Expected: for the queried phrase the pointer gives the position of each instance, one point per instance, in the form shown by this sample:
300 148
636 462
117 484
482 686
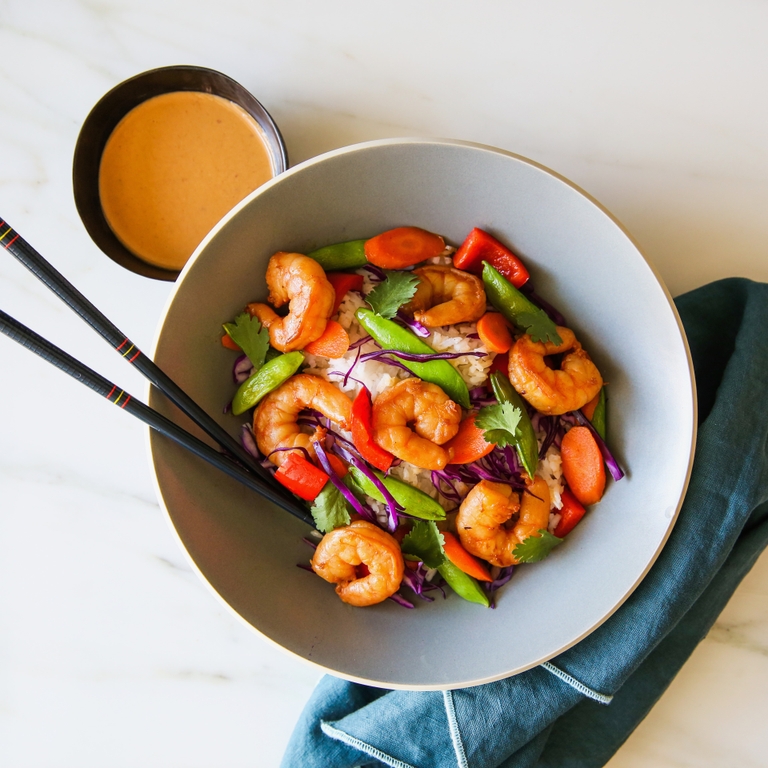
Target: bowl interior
112 108
583 263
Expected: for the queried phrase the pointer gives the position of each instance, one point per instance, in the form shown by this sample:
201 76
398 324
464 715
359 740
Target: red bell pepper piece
572 511
301 477
342 283
362 432
479 247
500 363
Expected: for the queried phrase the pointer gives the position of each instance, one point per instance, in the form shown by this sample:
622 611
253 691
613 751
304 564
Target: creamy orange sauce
173 166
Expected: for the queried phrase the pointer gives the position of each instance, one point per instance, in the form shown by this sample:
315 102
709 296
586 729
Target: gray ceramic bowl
583 262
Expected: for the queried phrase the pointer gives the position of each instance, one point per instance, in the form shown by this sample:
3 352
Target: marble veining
112 652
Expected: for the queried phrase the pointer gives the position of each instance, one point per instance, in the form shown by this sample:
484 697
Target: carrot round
403 247
459 556
468 443
229 343
333 343
583 466
338 466
494 332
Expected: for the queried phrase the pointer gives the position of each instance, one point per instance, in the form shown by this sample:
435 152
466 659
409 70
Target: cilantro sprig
500 423
329 509
395 290
251 336
424 542
539 326
536 548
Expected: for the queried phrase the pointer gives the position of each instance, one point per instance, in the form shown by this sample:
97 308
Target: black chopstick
43 270
65 362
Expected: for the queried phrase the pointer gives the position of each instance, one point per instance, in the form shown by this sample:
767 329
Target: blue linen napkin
579 708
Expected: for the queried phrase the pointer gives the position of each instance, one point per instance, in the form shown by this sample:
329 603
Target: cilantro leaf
536 548
329 509
389 295
249 334
539 326
425 543
500 423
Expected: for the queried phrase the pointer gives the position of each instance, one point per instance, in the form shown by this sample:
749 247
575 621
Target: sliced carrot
589 409
403 247
226 341
494 332
583 466
459 556
468 443
343 283
333 343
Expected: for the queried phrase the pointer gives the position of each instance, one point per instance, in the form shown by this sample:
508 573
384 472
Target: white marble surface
111 651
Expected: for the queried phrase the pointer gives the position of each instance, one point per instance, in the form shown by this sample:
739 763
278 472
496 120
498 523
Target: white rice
378 376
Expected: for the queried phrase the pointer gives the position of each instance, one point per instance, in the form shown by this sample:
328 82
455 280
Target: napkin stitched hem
453 728
351 741
602 698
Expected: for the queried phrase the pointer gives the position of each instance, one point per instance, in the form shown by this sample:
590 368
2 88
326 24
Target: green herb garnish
251 336
389 295
329 509
425 543
536 548
500 423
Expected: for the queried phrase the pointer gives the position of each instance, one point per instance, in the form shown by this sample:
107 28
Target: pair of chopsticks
238 464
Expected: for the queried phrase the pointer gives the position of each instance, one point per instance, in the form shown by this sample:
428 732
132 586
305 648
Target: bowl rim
112 107
692 414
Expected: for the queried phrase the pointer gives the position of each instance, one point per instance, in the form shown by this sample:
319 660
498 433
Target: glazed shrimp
446 296
360 543
481 518
553 391
412 419
275 423
294 278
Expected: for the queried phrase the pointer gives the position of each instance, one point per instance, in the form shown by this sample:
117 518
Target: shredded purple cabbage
490 587
360 342
242 369
414 357
249 441
361 510
359 463
414 325
309 542
400 600
377 274
416 581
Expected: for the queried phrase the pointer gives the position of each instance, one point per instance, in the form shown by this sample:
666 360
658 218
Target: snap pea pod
270 376
598 417
462 584
349 255
390 335
415 502
517 308
526 445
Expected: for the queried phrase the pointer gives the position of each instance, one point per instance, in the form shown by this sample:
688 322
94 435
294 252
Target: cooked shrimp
481 518
275 423
301 281
548 390
360 543
446 296
412 419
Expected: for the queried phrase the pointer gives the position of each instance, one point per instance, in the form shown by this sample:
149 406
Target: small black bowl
111 109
